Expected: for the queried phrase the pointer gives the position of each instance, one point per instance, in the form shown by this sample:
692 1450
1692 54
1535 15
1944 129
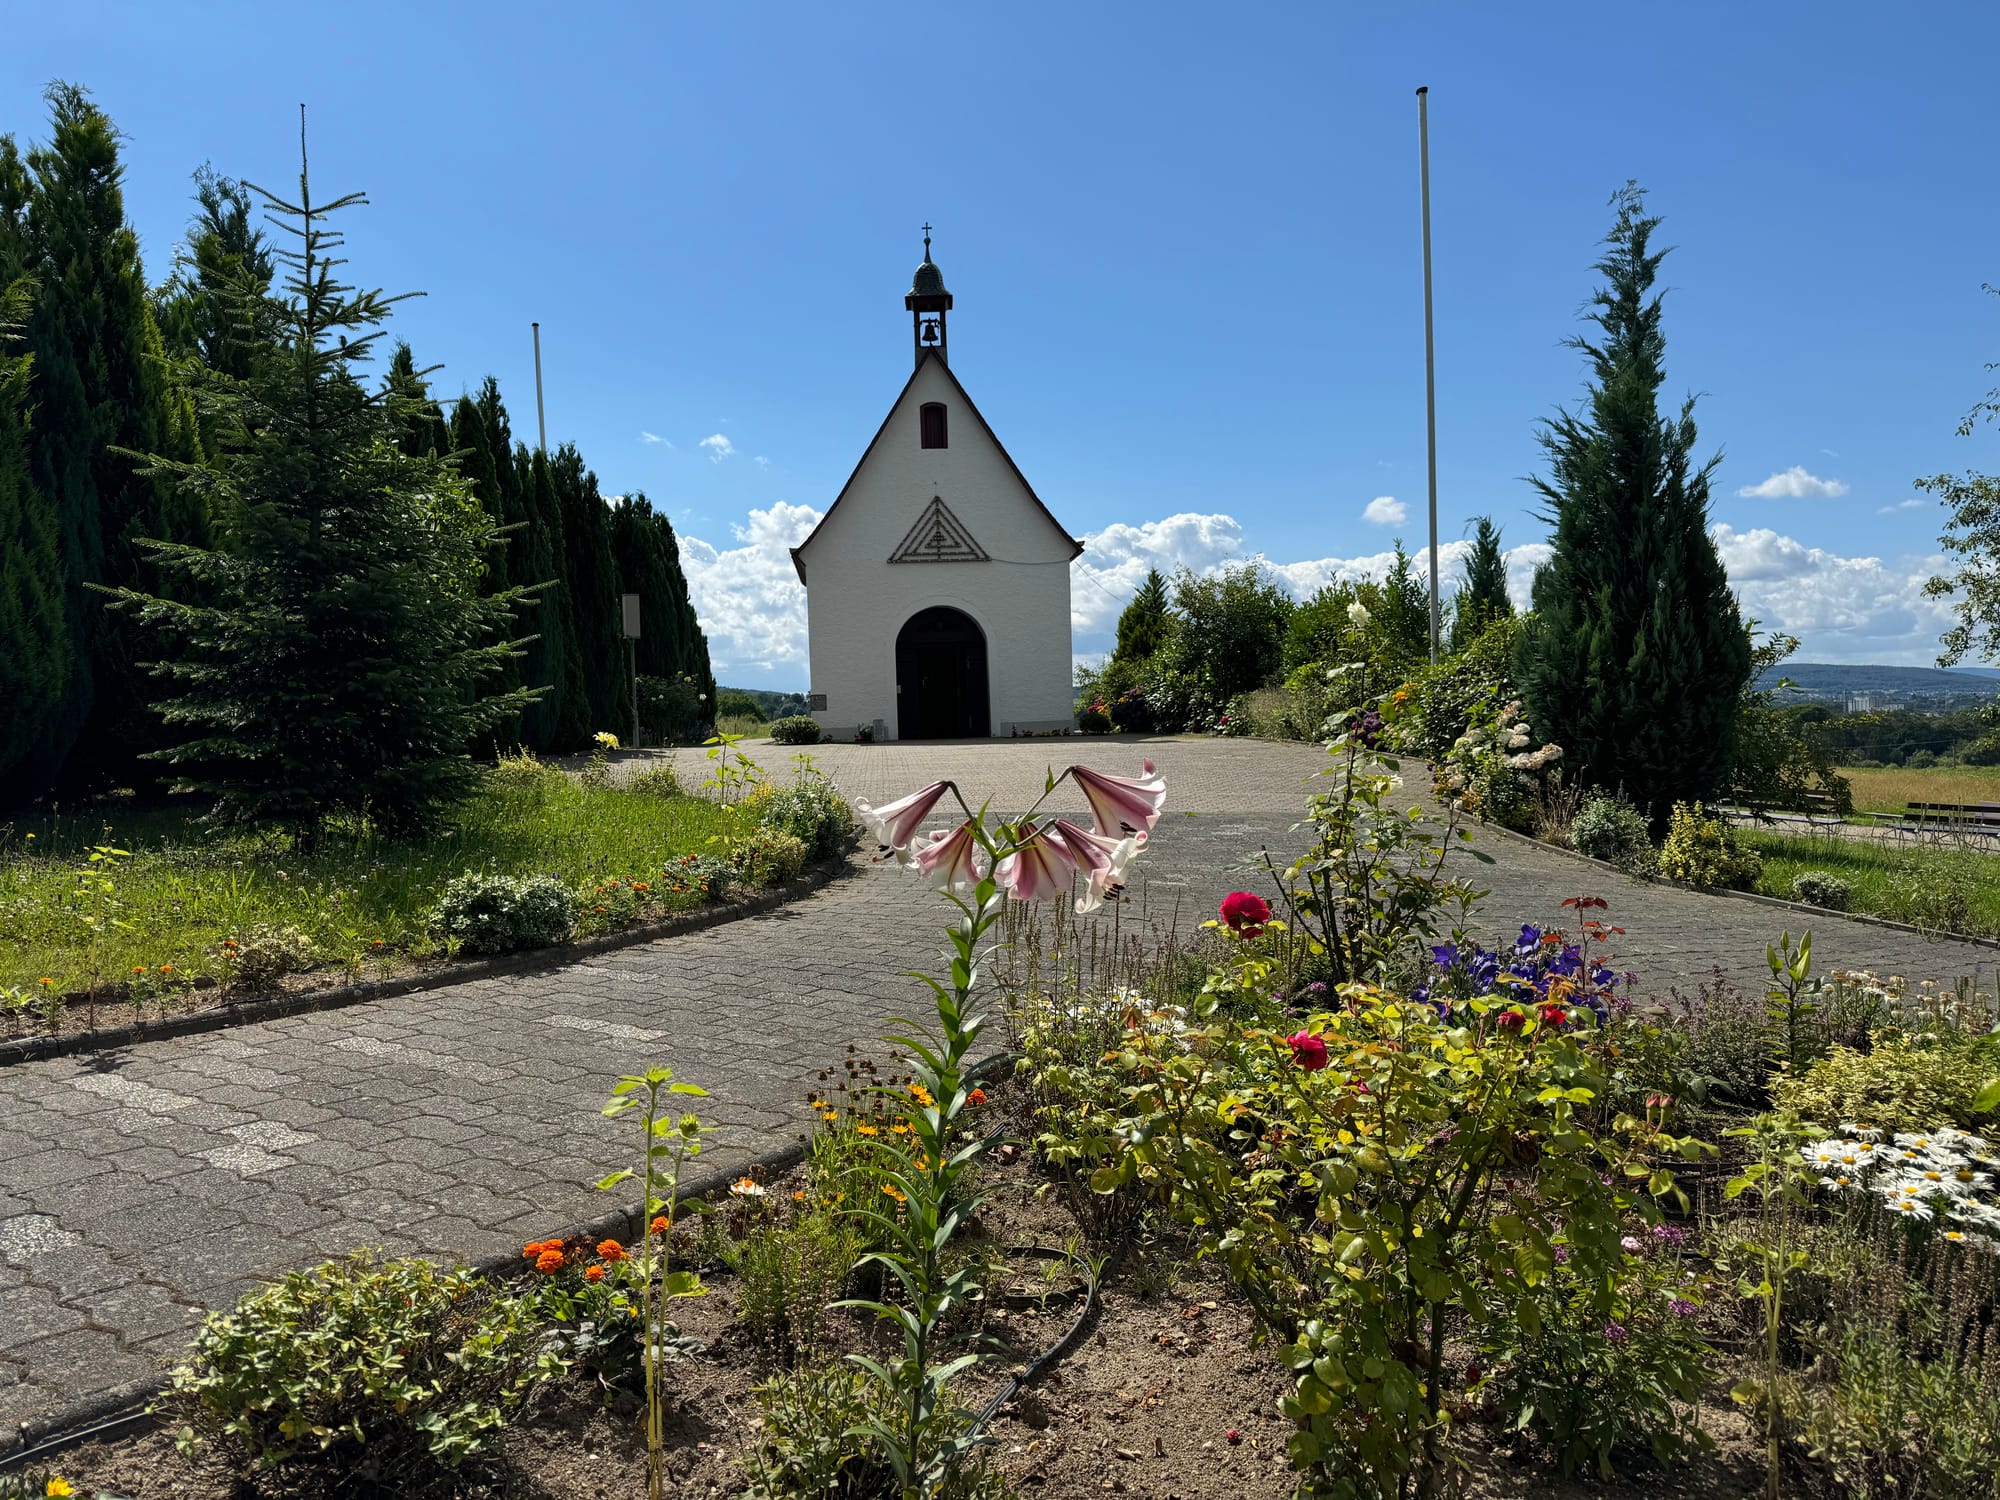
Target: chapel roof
928 356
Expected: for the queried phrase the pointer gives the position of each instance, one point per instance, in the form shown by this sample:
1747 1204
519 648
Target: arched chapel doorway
941 677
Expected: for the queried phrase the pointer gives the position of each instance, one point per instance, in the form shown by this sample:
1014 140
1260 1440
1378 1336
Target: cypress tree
34 633
566 723
1636 658
223 244
671 642
337 658
1142 627
98 394
593 589
422 429
1484 597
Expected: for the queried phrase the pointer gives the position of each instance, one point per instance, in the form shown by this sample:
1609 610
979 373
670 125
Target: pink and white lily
1041 865
1122 804
950 861
1098 856
895 826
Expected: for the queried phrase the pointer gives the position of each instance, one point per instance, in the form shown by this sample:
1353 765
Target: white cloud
649 438
718 446
748 597
1911 504
761 462
1851 609
1794 484
1386 510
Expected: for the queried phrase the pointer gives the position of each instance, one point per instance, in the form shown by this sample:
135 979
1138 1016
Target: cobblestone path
140 1187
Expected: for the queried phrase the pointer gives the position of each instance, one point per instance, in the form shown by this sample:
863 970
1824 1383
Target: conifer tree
564 722
1143 626
1636 658
423 429
593 589
339 656
34 633
671 642
223 243
98 394
1484 597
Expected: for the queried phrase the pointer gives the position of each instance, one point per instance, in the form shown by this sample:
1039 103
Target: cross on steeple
927 242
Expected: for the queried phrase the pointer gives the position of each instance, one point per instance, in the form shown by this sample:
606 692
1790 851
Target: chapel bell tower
928 303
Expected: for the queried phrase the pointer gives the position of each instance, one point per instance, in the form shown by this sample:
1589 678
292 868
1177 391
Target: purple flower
1682 1308
1614 1333
1317 987
1562 1255
1445 955
1670 1234
1632 1244
1530 939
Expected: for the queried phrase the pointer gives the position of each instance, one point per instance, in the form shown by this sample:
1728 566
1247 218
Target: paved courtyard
143 1186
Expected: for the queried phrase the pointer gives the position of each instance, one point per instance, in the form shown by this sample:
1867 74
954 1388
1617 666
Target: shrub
787 1274
812 811
1094 721
810 1439
1726 1058
799 729
1449 698
657 781
376 1369
1932 894
1609 828
1901 1084
1131 712
1592 1373
521 771
1818 888
498 913
265 954
702 873
1701 849
768 856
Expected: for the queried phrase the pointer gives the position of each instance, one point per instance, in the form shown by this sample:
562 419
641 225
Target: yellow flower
867 1130
894 1192
60 1486
921 1094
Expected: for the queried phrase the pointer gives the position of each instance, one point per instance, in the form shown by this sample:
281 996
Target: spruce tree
1636 658
223 243
34 633
1142 627
338 658
1484 597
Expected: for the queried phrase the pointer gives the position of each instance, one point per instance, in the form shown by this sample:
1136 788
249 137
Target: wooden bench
1813 807
1955 817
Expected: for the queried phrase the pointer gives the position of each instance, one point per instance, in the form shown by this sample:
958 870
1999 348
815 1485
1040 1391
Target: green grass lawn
359 897
1872 869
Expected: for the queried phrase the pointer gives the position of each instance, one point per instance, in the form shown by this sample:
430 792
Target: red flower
1554 1015
1244 913
1232 1436
1511 1020
1308 1051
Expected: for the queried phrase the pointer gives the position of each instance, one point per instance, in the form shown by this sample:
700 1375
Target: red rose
1511 1020
1554 1015
1244 913
1308 1051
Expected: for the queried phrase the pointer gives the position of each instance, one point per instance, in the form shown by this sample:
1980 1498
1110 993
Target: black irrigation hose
1030 1370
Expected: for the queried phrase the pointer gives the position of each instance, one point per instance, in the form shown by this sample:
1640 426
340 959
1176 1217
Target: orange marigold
595 1273
661 1224
534 1248
549 1262
977 1096
610 1250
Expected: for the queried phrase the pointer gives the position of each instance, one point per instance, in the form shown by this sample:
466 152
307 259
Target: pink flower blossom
1122 804
950 861
895 826
1245 913
1097 855
1040 866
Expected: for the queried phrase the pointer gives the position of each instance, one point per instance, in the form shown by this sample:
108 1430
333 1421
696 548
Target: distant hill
775 705
1834 680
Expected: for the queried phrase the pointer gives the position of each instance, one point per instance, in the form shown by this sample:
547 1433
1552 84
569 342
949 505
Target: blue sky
1183 241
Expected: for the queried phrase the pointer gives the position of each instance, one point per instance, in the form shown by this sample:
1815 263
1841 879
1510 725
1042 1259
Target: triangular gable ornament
938 536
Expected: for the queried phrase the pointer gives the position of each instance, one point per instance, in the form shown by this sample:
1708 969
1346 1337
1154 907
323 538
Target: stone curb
130 1403
1778 901
271 1007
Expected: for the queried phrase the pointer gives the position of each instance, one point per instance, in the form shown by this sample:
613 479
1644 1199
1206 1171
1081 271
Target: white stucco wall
857 601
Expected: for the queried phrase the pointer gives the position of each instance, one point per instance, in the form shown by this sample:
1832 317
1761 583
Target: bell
930 330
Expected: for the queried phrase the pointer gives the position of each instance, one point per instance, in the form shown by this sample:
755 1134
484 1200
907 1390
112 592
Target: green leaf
1987 1099
604 1184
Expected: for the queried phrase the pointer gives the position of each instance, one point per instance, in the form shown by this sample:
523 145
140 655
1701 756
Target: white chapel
937 583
